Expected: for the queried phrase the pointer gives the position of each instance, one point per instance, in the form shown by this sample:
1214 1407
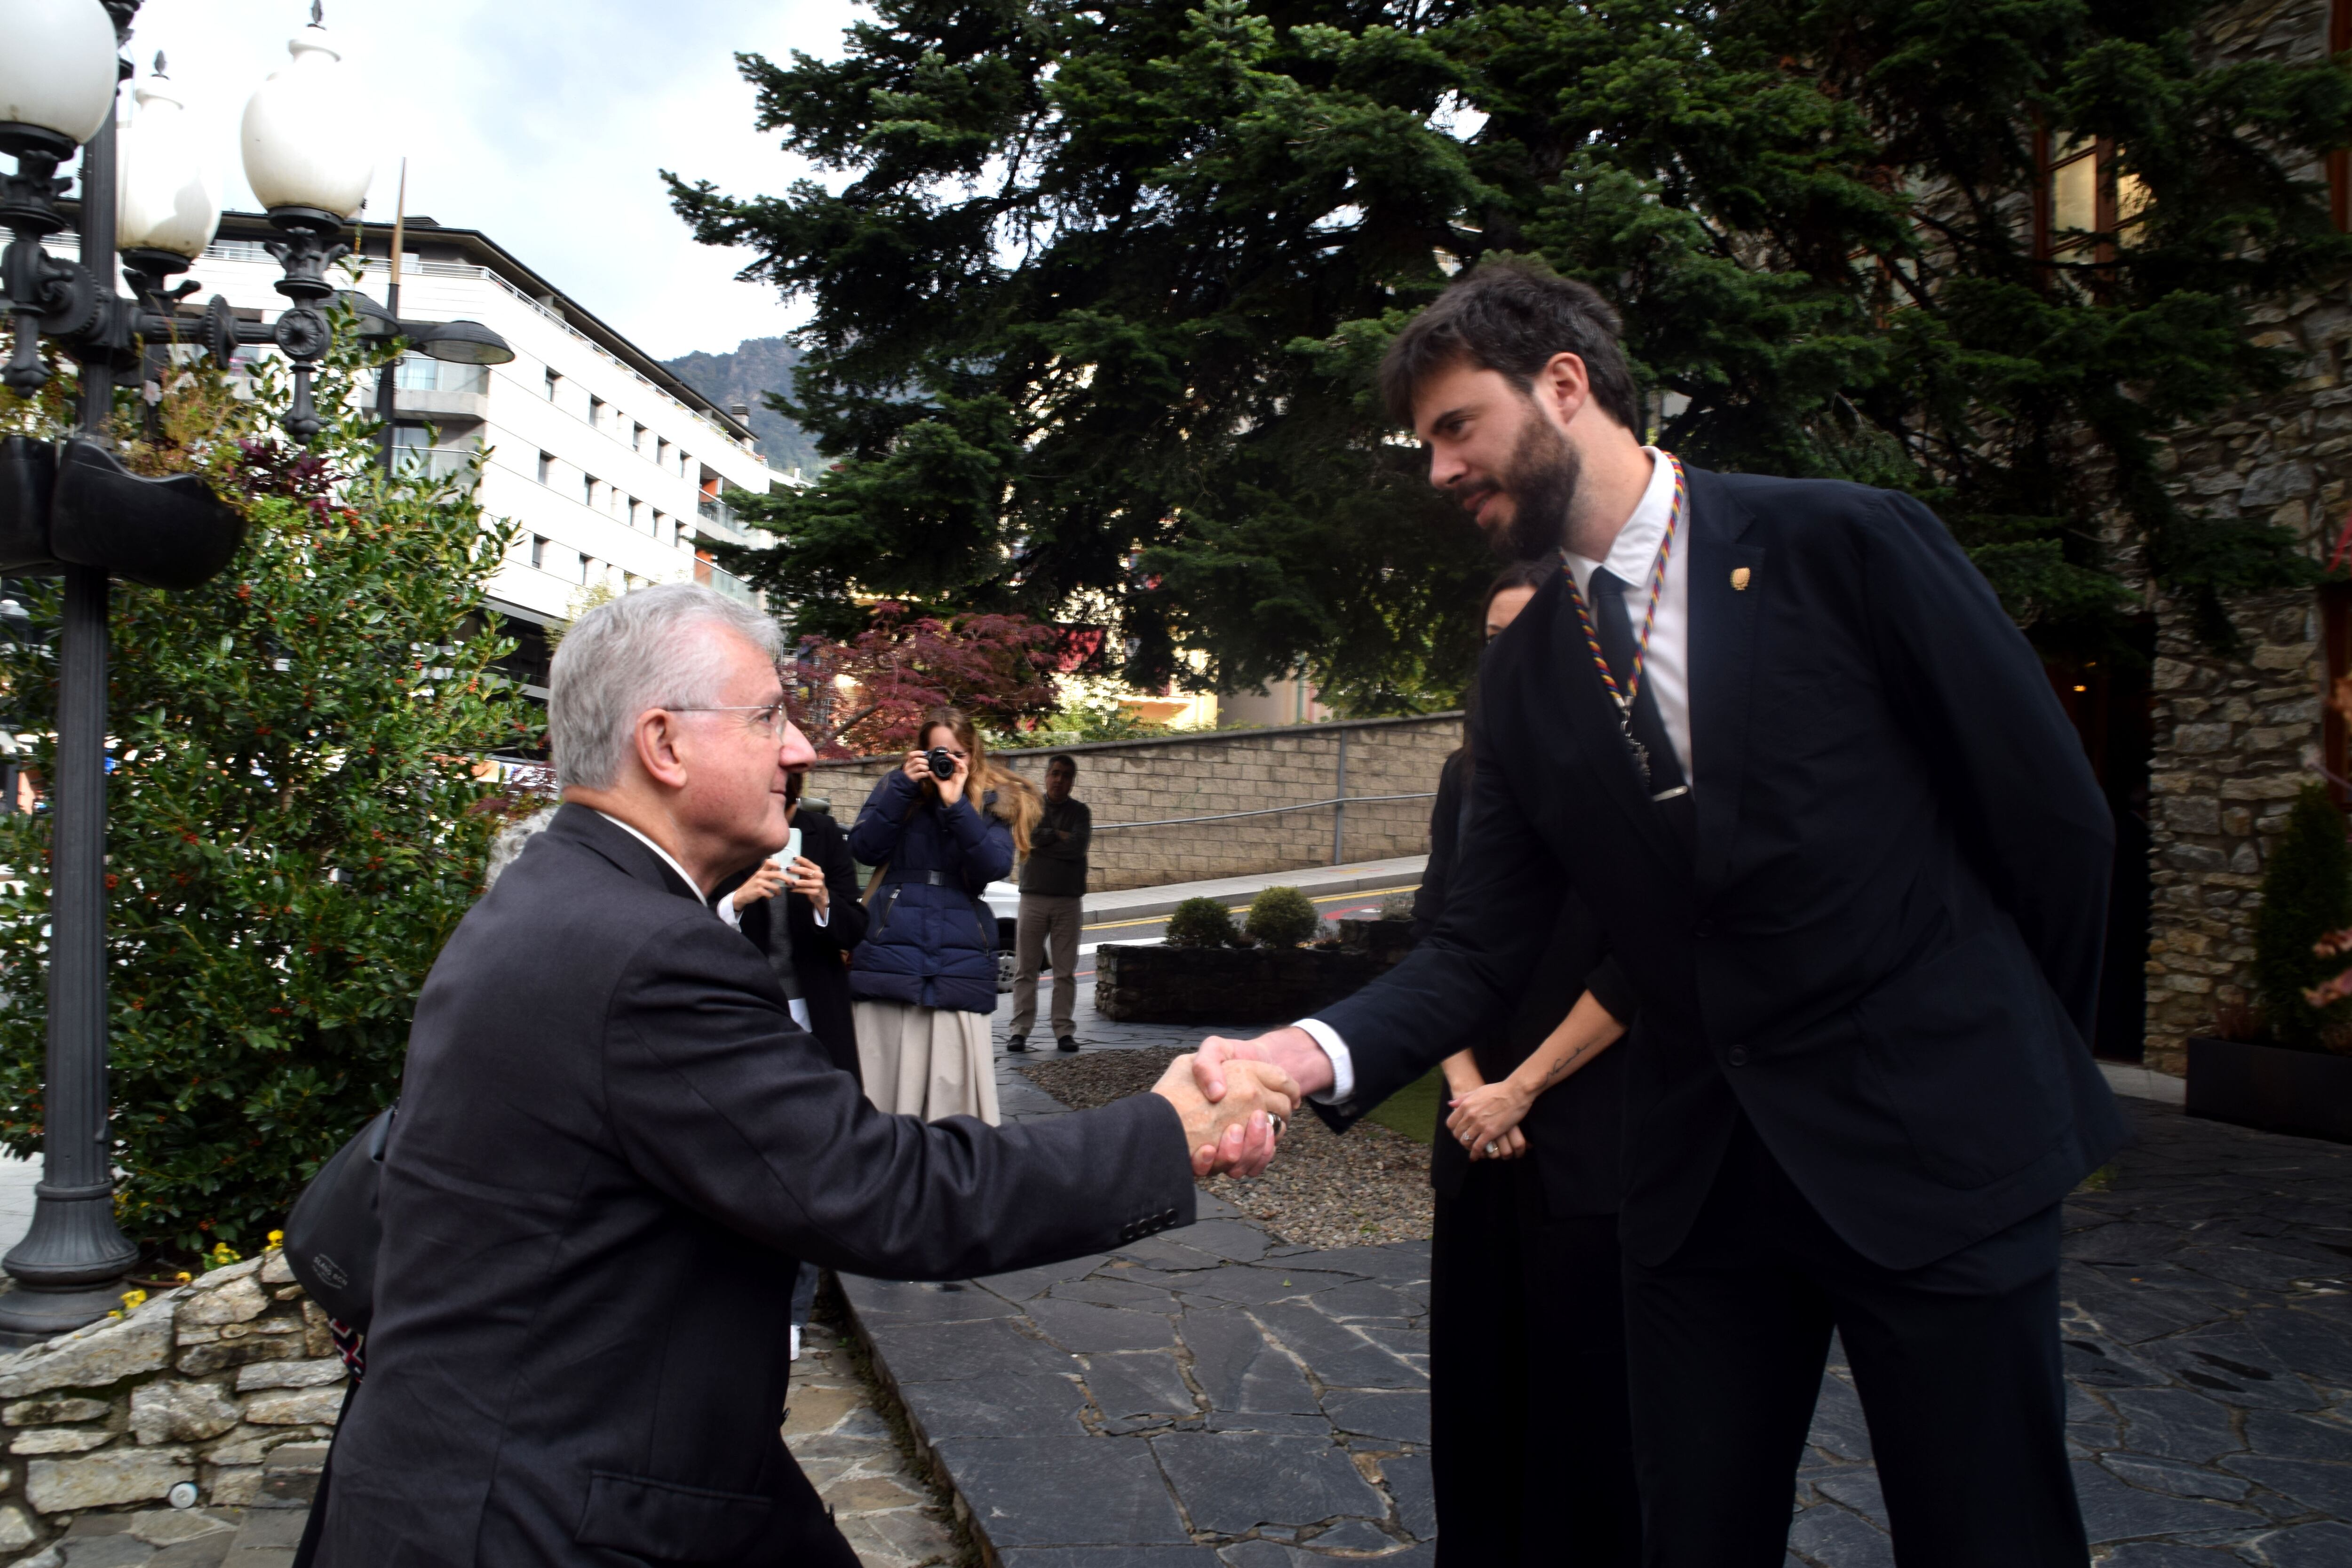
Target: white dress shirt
724 909
1666 670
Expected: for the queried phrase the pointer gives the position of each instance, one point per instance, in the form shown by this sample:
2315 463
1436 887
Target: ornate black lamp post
72 507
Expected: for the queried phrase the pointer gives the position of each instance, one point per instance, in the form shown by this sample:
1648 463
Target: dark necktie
1612 618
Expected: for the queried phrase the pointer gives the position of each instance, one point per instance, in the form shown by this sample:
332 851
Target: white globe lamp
57 75
167 200
304 137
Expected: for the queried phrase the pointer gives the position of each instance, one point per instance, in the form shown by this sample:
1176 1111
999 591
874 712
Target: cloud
543 122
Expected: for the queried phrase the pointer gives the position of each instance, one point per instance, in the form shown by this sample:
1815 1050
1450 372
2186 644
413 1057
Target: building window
637 438
539 552
596 413
587 568
555 385
634 519
588 489
546 470
2083 193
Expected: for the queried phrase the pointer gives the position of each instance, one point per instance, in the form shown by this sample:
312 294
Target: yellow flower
182 1278
131 1300
276 1239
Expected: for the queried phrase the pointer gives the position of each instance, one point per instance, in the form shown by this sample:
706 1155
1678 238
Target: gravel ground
1367 1187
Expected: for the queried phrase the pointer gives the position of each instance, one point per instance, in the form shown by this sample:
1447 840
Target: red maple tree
865 696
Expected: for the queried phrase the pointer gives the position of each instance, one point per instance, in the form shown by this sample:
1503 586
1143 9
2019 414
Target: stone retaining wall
195 1385
1218 770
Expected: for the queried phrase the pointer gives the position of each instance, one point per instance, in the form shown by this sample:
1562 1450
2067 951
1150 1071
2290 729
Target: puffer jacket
929 944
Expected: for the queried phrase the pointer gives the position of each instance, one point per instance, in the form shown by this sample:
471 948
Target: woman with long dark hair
1530 1438
924 980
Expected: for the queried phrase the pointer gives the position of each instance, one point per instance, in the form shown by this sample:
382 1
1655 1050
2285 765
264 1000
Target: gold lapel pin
1739 579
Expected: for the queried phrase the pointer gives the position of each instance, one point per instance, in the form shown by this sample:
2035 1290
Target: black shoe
1017 1043
1066 1043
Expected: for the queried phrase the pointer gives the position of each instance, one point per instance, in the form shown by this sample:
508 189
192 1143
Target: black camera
941 763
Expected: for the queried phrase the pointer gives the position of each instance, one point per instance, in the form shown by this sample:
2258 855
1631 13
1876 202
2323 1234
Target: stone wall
1235 771
2236 736
2232 739
192 1387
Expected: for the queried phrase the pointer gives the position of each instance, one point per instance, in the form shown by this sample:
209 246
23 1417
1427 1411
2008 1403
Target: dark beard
1541 482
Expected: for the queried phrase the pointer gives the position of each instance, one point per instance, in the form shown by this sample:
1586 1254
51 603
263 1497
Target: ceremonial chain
1626 696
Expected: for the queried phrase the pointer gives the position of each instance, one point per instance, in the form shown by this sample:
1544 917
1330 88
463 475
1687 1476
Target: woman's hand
1490 1115
1511 1145
763 884
806 878
917 767
951 789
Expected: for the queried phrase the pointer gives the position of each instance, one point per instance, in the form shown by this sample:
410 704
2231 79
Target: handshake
1235 1097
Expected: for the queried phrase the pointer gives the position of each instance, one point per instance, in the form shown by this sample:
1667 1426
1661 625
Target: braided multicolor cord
1632 692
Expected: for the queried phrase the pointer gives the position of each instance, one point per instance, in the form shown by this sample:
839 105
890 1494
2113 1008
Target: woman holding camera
938 829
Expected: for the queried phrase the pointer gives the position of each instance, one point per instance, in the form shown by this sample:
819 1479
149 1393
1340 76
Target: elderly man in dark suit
1781 736
615 1149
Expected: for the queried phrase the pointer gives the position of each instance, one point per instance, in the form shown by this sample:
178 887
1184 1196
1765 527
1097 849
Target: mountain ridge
747 374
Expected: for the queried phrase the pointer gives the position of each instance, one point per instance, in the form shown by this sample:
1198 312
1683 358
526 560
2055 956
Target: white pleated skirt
926 1061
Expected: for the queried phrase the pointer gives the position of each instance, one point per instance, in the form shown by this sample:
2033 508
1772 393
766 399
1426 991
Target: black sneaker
1017 1043
1066 1043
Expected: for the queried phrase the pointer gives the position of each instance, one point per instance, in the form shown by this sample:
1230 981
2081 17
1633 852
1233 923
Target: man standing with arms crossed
1052 902
1782 738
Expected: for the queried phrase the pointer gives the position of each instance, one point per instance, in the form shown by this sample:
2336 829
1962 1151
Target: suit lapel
1593 731
1723 615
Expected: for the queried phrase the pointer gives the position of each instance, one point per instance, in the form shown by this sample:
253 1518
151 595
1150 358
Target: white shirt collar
1635 551
668 859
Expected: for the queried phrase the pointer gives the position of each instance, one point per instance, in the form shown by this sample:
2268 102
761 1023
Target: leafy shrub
1282 917
1200 922
1397 907
2306 893
296 823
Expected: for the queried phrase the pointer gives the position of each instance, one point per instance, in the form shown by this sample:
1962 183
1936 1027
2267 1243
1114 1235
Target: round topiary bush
1202 922
2306 893
1282 917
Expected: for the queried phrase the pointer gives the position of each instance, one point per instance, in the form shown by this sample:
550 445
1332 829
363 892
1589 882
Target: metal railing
727 582
722 515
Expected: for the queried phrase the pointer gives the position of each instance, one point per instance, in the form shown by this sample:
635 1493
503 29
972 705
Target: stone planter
2304 1092
1225 984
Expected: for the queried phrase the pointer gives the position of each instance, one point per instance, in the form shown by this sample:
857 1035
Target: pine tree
298 810
1095 309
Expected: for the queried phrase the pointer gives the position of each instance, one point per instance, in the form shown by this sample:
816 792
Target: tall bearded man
1782 738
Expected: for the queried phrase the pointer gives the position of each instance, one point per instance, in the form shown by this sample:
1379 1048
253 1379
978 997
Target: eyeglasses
768 716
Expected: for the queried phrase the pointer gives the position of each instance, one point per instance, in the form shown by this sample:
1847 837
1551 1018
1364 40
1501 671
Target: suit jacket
614 1151
1880 941
818 954
1574 1129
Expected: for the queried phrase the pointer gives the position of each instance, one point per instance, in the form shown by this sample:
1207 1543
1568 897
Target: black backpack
332 1235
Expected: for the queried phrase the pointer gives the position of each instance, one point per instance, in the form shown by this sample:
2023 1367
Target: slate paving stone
1109 1557
2319 1347
1832 1538
1858 1490
2319 1487
1081 1328
1399 1416
2174 1476
1407 1480
1366 1301
902 1301
2327 1545
2113 1510
1040 1404
1234 1482
1116 1291
1839 1426
1167 1252
2104 1365
2298 1437
1234 1241
2233 1366
1355 1535
1342 1357
993 1347
1138 1384
2175 1424
2163 1554
1246 1421
1065 1492
1240 1371
1249 1285
1023 1283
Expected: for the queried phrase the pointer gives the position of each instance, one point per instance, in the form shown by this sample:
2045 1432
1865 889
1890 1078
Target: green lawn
1413 1109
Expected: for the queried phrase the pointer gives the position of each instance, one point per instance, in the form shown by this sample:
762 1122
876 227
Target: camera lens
941 764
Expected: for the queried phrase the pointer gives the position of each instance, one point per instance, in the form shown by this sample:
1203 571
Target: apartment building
612 466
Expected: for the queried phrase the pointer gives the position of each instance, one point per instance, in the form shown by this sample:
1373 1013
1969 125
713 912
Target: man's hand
1293 1050
1236 1133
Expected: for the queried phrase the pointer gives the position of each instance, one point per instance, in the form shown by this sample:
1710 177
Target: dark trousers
1529 1444
1956 1365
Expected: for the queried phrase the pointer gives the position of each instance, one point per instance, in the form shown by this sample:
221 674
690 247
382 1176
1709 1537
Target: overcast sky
542 122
